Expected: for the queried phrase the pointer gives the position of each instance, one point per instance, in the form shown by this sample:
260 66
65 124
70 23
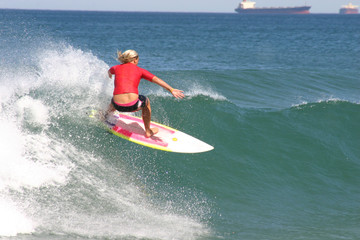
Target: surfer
126 96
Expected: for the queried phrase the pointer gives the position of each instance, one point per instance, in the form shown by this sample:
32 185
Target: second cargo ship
349 9
248 7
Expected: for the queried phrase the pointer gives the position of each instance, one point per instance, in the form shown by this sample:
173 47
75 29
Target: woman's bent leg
146 116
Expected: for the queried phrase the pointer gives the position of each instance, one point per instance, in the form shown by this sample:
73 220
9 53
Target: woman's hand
177 93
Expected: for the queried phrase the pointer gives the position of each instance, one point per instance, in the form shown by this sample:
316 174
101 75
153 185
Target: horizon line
143 11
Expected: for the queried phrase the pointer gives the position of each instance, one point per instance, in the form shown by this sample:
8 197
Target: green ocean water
277 96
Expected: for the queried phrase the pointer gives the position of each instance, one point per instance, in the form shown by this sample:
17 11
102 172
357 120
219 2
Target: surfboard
168 139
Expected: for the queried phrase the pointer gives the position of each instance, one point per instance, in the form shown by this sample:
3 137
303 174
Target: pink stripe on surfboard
141 138
140 121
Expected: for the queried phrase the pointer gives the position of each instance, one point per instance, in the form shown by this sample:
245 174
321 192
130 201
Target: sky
221 6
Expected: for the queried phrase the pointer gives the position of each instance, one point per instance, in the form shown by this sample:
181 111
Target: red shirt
128 76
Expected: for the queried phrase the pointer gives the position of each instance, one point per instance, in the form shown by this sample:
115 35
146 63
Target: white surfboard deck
132 129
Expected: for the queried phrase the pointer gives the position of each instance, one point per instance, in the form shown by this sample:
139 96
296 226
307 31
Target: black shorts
140 103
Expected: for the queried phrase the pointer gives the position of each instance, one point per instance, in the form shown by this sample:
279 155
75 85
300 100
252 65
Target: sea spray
51 164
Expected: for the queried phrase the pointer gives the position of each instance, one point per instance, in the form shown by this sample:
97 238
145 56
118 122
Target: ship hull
285 10
348 11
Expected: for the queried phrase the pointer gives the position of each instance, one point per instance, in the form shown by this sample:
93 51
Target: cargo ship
349 9
248 7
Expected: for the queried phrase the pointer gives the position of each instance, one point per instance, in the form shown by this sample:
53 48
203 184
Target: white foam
193 90
32 110
33 159
68 68
25 159
12 220
196 90
11 151
322 100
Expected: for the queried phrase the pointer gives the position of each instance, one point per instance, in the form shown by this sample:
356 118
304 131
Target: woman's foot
151 132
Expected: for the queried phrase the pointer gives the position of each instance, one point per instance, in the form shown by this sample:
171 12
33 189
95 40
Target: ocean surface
277 96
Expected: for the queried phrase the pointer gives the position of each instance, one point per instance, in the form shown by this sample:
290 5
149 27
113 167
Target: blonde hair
127 56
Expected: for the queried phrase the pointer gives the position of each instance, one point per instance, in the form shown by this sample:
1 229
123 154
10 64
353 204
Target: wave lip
329 100
197 90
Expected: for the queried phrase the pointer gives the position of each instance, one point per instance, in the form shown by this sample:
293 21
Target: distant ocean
277 96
